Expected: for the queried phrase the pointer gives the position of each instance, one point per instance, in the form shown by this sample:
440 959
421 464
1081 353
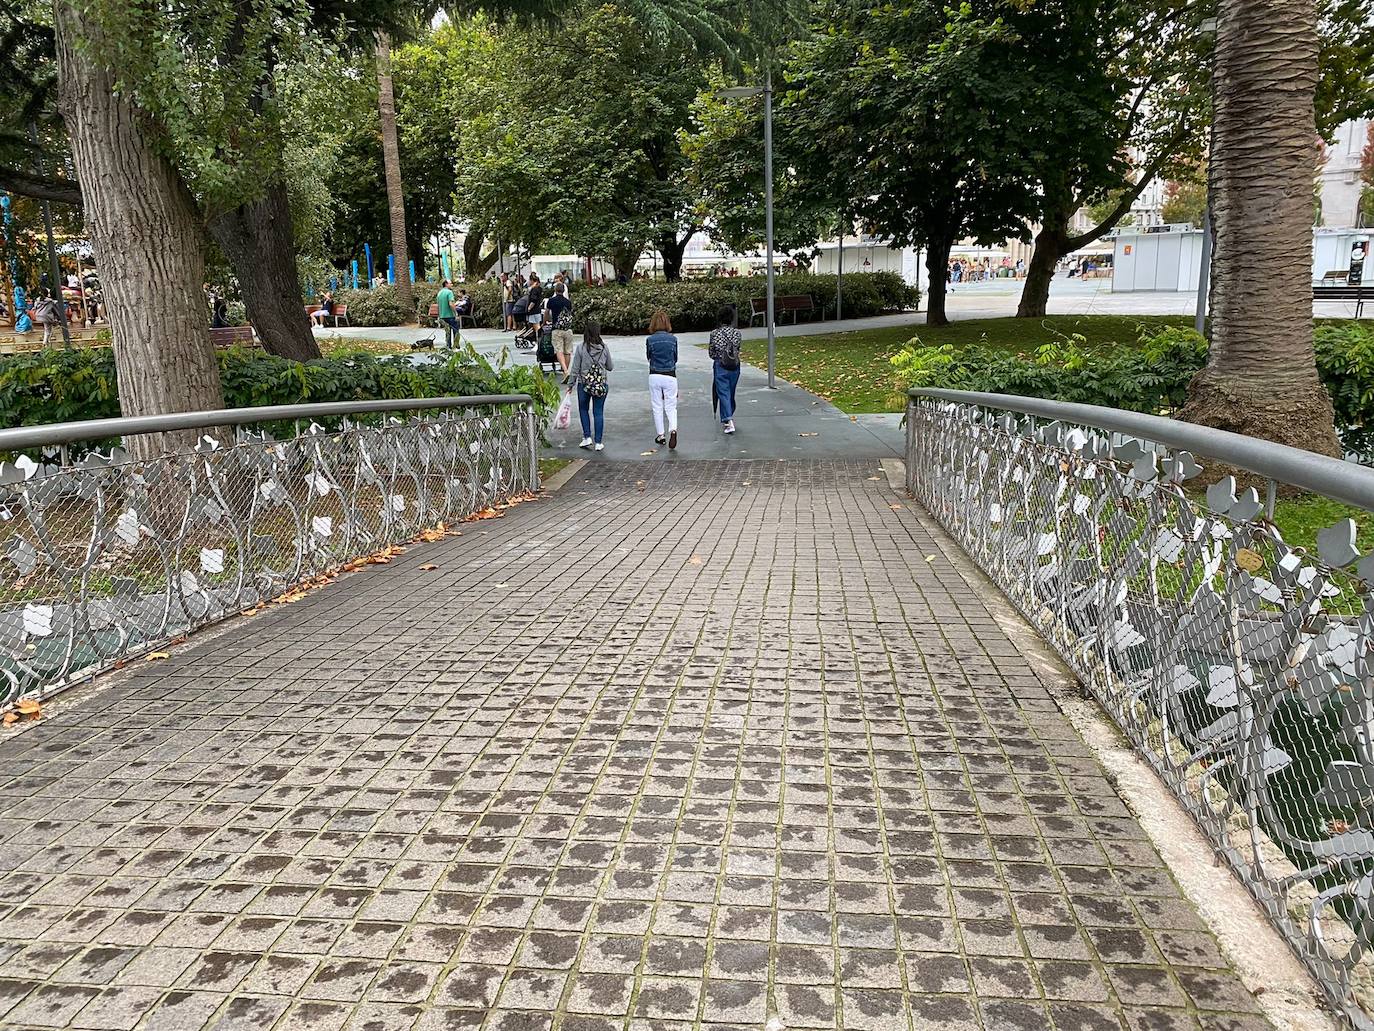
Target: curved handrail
1343 481
22 437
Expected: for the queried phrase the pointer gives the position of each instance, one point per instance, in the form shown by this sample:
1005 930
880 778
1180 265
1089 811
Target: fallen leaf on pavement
695 560
894 507
428 566
11 718
154 656
930 558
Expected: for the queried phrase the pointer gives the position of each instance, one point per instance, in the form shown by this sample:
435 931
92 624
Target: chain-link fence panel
107 556
1241 667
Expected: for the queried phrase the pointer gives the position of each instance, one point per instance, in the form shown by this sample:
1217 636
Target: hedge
692 304
54 385
1151 376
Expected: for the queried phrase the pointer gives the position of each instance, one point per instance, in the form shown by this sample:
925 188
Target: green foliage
380 306
1185 202
901 105
39 387
1345 360
692 304
1150 377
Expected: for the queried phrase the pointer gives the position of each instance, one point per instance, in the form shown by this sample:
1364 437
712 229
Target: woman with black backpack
590 364
724 350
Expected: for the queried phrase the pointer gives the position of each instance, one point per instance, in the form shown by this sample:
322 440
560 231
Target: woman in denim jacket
661 350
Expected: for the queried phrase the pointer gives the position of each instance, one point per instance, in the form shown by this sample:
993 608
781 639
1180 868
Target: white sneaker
586 442
601 447
730 426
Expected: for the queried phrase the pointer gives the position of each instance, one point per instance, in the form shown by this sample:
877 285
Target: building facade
1340 176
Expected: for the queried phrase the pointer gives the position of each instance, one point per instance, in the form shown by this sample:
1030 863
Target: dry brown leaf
154 656
894 506
429 566
695 560
178 640
11 718
29 706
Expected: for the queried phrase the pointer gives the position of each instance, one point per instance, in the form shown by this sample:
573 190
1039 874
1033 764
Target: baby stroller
526 331
546 355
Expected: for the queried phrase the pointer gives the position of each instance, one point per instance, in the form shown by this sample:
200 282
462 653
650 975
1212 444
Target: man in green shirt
447 315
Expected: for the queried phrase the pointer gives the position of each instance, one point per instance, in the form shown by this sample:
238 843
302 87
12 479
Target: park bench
471 319
1358 293
340 312
227 336
795 303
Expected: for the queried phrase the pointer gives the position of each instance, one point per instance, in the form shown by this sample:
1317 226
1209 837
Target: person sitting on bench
325 310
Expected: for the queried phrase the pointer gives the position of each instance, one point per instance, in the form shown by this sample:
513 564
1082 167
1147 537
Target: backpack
594 377
729 357
564 320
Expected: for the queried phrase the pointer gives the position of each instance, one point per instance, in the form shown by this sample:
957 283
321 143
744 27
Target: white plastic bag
563 419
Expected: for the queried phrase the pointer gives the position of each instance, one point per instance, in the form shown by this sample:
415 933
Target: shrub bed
1151 376
39 387
692 304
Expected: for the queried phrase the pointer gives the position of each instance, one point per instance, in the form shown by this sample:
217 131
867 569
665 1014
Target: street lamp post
739 93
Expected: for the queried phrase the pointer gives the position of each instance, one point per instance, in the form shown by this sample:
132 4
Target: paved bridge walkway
691 745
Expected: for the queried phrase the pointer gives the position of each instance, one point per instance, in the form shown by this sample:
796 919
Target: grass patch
341 346
1300 519
549 466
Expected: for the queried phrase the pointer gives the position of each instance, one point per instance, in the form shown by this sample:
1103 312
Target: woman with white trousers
661 350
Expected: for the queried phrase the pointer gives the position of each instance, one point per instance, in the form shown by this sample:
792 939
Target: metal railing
108 556
1240 665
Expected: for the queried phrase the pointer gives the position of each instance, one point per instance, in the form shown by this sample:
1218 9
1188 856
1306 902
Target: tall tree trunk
145 230
1261 374
475 263
623 258
672 250
257 239
391 158
1050 244
937 268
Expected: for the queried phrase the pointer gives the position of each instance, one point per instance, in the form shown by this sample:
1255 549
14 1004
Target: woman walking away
661 350
724 350
590 363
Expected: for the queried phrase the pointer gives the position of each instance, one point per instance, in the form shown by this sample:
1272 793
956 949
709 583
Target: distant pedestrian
560 312
448 315
724 347
47 313
508 301
661 350
590 364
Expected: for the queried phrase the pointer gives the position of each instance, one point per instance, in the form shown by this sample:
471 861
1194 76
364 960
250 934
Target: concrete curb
1283 989
560 479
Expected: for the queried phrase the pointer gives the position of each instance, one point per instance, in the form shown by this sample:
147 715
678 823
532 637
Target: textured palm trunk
145 229
1261 375
391 159
258 241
